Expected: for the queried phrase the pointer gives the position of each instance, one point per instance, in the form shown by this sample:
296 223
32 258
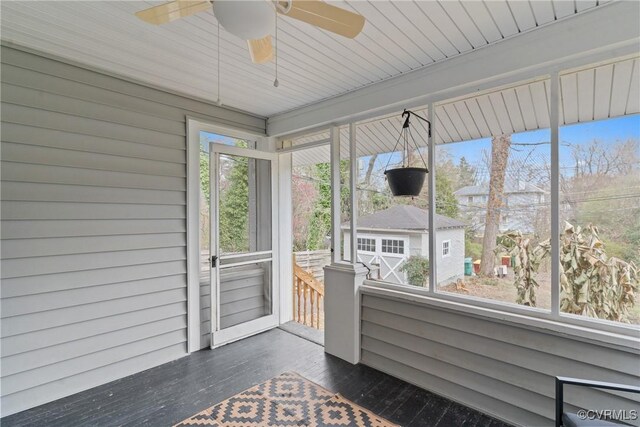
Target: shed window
446 248
366 245
392 246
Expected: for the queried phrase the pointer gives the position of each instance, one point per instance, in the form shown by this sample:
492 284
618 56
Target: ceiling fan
253 20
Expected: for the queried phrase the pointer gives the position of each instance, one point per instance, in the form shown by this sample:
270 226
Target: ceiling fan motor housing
248 20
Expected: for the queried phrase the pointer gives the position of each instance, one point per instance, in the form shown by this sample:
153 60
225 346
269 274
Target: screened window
392 246
366 245
446 248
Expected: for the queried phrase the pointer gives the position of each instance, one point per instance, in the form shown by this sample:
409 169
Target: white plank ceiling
398 37
594 93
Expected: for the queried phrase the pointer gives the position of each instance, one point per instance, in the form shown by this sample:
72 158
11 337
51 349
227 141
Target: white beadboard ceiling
398 37
593 93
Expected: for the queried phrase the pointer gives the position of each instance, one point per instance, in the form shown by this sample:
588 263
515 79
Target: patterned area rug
286 400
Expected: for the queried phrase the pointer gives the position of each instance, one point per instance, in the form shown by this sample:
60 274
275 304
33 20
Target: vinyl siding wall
450 268
93 228
503 369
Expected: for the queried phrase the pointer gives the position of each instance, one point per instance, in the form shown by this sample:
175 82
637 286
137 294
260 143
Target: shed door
389 252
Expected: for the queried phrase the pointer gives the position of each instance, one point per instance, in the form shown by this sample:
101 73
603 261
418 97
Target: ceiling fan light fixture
248 20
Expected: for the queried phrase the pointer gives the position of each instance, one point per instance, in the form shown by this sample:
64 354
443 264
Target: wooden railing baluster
299 290
318 310
307 292
304 299
312 295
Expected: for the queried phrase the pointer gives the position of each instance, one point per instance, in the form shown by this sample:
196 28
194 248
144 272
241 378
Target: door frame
266 322
194 125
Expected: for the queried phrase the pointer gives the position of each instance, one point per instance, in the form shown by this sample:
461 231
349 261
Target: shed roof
404 217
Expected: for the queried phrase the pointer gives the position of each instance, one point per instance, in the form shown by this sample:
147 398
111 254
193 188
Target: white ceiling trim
608 31
596 93
314 65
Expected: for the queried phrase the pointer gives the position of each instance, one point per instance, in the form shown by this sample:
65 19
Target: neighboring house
391 236
520 207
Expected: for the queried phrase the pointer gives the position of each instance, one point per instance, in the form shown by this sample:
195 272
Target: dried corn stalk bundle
593 284
527 262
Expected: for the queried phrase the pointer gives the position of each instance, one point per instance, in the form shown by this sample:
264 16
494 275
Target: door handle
214 261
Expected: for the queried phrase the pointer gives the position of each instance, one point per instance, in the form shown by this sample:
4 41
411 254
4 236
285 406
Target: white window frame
448 254
531 315
393 239
368 238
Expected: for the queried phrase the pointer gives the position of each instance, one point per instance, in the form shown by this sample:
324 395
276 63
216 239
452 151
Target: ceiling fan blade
261 50
173 10
325 16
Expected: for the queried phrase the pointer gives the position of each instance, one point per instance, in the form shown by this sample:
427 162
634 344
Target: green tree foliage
466 174
234 208
320 222
446 202
601 190
204 176
472 248
417 269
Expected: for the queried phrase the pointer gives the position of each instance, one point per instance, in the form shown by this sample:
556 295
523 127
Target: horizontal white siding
505 370
93 226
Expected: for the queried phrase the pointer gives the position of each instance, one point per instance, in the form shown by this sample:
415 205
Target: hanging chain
218 101
405 135
276 83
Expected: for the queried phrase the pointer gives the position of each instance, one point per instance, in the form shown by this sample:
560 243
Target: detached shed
391 236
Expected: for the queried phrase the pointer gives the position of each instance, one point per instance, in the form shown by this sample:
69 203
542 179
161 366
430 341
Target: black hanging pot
406 181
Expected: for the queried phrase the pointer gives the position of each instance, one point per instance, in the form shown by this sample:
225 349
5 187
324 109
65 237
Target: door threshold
307 332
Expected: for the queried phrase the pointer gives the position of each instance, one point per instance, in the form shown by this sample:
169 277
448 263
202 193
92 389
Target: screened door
242 256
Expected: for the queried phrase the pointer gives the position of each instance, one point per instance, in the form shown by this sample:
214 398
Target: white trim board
194 126
607 32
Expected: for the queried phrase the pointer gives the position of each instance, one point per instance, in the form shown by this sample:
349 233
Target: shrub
417 269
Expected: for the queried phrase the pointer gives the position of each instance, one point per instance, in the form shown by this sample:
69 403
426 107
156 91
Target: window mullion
555 193
431 181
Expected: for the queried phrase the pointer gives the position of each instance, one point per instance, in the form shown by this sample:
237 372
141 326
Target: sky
206 137
607 131
610 130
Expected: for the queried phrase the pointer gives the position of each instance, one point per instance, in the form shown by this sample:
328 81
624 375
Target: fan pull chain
276 83
218 101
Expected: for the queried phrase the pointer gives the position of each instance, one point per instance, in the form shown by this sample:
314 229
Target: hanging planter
407 180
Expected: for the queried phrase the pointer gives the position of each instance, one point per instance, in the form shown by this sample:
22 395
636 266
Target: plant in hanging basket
406 181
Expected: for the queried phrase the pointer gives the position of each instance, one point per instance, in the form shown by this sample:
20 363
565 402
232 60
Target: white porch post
285 231
431 182
334 151
353 180
342 279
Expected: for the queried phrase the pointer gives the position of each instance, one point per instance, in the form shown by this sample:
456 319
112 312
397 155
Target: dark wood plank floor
169 393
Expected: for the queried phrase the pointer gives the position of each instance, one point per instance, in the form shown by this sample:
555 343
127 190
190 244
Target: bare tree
499 158
599 159
367 175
